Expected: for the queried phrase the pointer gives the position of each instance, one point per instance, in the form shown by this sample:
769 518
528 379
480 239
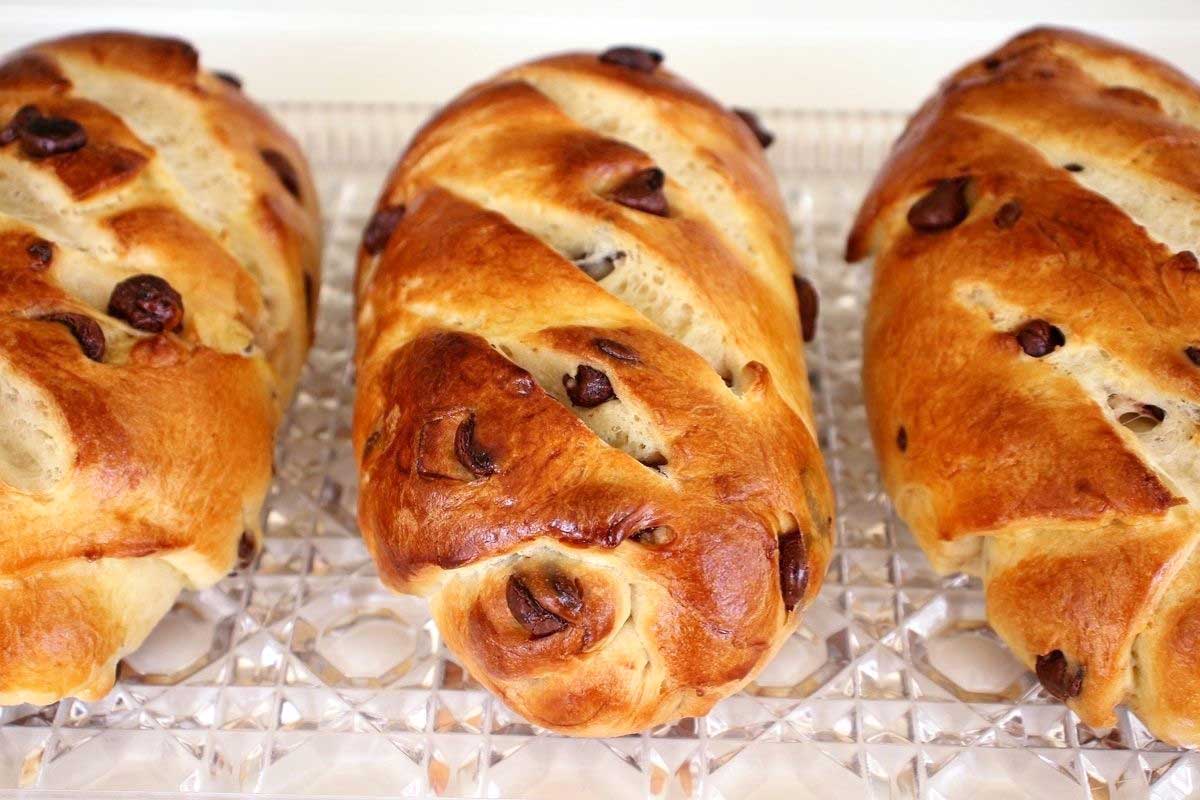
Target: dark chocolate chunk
764 136
40 253
588 388
381 227
902 439
616 350
148 303
810 304
1058 677
568 593
247 550
1073 167
1007 215
24 115
793 568
86 331
282 167
641 59
599 267
1039 338
1193 354
643 191
477 460
50 136
942 208
532 615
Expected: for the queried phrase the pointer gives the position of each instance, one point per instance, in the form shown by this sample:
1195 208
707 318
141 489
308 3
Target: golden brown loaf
1033 360
158 272
563 268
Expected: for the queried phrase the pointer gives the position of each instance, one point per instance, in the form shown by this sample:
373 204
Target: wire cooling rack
304 677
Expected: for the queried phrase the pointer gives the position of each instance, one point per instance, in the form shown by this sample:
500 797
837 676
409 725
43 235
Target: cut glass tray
303 676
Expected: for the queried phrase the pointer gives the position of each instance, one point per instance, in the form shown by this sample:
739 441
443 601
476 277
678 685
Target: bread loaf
1032 366
158 277
583 419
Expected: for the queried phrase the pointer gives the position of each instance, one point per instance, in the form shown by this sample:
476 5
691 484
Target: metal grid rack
304 677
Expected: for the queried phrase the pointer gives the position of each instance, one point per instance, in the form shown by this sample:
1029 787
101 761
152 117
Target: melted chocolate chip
1073 167
568 593
643 191
764 136
283 169
40 253
86 331
902 439
247 550
793 569
599 267
148 303
1007 215
942 208
1057 676
640 59
381 227
810 304
50 136
532 615
1039 338
589 388
24 115
1193 354
477 460
616 350
229 77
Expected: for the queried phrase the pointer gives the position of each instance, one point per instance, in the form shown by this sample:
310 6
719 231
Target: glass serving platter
303 676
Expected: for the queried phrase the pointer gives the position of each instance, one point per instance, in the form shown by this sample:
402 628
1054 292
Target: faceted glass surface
303 676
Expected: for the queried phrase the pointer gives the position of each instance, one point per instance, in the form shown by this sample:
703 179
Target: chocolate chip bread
1033 360
158 276
583 420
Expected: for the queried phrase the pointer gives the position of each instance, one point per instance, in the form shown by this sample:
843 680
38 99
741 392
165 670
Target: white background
836 54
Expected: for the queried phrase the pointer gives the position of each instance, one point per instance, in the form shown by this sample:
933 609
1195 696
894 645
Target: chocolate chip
656 536
640 59
283 169
1007 215
1039 338
50 136
655 461
86 331
40 253
1184 260
764 136
944 207
1058 677
148 303
1193 354
247 550
1073 167
616 350
589 388
902 439
470 454
229 77
991 64
568 593
793 568
381 227
532 615
24 115
599 267
1137 417
643 191
810 303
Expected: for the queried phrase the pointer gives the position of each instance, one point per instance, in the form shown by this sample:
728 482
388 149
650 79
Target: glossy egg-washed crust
639 540
140 472
1062 468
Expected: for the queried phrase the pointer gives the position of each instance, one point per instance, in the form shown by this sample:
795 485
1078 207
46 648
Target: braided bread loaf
1033 360
158 271
562 269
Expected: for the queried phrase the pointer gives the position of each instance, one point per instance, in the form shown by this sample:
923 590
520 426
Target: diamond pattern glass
302 676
